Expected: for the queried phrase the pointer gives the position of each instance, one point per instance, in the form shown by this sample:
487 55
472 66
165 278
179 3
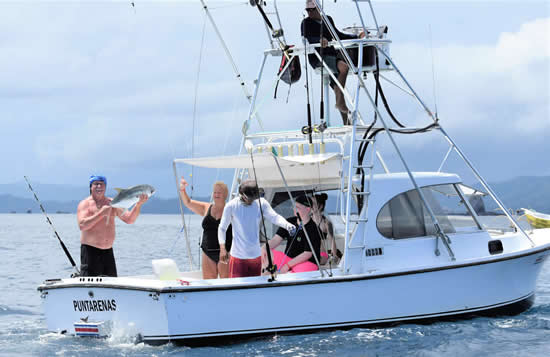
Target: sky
104 87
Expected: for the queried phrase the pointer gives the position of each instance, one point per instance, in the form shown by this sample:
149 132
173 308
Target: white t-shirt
245 221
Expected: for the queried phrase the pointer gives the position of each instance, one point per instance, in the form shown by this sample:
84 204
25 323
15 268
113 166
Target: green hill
525 192
521 192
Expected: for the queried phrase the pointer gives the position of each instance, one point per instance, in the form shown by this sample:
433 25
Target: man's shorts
97 262
331 62
240 268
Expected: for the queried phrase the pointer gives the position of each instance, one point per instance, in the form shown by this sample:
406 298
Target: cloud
504 85
88 84
493 99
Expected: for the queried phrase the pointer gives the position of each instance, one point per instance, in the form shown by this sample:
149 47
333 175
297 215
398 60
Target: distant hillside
9 204
526 192
46 192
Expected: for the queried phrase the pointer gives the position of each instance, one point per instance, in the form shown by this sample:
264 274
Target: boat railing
317 145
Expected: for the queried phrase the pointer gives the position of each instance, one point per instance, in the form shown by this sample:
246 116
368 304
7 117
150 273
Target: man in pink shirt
96 219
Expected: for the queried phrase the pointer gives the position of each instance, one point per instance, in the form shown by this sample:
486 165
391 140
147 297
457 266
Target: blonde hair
223 187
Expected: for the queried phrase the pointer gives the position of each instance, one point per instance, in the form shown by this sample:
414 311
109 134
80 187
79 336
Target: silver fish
127 197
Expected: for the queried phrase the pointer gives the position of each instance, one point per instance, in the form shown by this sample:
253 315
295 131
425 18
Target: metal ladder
355 226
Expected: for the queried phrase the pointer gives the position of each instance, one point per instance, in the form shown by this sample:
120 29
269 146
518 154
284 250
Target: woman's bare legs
223 269
209 268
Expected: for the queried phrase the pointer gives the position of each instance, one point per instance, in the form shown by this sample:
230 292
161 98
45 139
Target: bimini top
298 170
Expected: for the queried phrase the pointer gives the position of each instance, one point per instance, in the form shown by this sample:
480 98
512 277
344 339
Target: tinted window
405 216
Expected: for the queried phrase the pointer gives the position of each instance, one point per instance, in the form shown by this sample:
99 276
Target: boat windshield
405 216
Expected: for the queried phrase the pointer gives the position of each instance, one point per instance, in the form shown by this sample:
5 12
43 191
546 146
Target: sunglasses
310 10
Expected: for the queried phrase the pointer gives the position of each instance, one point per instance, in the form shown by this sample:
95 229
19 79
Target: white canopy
261 160
298 170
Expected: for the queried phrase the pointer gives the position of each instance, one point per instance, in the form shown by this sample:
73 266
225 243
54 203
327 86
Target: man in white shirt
244 213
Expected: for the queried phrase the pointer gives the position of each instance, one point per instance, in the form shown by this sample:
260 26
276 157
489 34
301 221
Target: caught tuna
127 197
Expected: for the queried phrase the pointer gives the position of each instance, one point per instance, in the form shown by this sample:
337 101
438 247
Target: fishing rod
322 103
307 130
51 225
271 268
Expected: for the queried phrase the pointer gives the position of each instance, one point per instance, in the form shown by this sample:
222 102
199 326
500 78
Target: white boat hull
292 303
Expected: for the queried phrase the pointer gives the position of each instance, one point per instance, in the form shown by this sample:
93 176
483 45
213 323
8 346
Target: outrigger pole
51 225
226 49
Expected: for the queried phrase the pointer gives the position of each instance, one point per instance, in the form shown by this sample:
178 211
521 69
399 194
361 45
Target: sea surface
30 253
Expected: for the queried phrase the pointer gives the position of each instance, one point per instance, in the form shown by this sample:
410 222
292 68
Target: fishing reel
275 33
318 128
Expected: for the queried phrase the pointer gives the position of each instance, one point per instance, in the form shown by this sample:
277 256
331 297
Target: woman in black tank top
212 214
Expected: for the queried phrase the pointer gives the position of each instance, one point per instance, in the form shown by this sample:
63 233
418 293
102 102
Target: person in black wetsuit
212 213
312 27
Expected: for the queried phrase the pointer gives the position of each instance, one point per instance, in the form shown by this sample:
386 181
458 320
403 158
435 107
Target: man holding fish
96 219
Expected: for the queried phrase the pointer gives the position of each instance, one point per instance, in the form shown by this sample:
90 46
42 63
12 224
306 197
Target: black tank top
210 234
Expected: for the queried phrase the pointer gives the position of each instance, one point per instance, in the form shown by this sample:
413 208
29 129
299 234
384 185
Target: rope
195 102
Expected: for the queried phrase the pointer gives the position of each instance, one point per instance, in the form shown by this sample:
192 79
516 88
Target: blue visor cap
95 178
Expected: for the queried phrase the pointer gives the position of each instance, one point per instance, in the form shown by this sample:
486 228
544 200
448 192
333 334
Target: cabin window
405 216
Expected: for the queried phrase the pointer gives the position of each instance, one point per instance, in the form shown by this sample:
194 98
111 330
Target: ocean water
30 253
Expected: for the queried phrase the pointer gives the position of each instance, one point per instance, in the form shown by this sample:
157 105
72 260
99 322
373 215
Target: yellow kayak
536 219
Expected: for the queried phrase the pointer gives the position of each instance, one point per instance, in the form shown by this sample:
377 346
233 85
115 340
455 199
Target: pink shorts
240 268
280 259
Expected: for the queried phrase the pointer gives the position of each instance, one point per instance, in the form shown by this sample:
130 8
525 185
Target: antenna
433 70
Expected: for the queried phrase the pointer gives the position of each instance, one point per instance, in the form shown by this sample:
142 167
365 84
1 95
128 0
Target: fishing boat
414 247
536 219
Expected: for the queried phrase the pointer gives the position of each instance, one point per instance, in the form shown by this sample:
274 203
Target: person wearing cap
244 213
96 220
311 28
298 255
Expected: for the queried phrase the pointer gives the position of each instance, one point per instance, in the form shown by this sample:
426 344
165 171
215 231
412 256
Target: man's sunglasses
309 9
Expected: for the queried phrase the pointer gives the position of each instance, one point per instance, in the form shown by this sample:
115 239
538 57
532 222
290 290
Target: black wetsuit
209 244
